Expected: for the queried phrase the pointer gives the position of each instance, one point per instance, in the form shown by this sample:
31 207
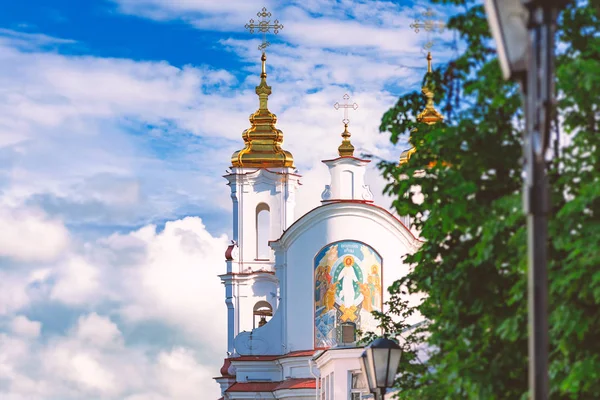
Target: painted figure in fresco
320 287
322 282
367 303
330 296
374 283
348 277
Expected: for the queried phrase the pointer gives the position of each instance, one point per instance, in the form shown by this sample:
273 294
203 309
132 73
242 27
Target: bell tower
263 187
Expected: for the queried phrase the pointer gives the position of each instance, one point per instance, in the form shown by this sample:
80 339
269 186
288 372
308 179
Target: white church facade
298 289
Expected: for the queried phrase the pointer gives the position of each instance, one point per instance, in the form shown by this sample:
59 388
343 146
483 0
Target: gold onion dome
429 115
346 149
262 140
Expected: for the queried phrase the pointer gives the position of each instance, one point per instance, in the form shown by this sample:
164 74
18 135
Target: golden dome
429 115
346 149
262 140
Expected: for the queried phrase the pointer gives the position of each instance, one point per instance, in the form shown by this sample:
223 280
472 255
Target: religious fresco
347 289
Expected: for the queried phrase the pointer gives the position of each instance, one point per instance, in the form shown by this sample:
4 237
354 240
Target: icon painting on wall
347 289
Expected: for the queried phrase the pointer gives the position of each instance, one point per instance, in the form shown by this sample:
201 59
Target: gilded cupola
429 115
262 140
346 149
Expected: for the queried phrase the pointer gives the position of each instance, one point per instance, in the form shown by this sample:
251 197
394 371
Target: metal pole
539 102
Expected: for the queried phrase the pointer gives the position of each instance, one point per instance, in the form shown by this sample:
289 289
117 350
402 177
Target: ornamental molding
338 354
367 194
326 195
345 161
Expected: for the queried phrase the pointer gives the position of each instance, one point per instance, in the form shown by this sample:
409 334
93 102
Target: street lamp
524 33
379 362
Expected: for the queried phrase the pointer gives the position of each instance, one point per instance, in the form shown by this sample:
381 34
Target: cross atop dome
346 149
264 26
263 140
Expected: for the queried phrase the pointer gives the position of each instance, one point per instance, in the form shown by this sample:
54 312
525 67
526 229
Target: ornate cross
429 25
345 106
264 26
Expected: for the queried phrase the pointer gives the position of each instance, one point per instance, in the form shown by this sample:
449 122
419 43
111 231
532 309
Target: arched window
263 227
347 184
262 313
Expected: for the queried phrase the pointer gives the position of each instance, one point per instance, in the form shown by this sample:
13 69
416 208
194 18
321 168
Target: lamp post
524 34
379 362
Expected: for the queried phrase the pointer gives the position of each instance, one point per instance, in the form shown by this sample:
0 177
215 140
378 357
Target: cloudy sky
117 122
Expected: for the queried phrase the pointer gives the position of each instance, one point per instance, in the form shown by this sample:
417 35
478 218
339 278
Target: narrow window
263 226
347 185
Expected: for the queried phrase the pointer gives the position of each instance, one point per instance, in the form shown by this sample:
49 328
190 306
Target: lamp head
508 23
380 362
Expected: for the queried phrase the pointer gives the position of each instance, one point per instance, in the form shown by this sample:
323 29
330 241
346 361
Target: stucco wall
296 250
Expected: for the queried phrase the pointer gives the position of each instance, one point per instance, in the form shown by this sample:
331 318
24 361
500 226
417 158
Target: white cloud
167 277
65 123
229 11
22 326
97 331
175 279
75 367
77 282
29 235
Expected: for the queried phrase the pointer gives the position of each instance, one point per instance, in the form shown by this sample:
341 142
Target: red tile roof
294 383
298 383
253 387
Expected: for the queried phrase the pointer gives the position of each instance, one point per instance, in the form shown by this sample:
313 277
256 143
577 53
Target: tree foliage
472 268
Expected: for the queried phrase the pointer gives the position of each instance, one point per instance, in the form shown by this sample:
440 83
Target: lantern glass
368 372
508 23
380 363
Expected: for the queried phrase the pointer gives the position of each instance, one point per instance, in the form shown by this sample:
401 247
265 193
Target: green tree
472 267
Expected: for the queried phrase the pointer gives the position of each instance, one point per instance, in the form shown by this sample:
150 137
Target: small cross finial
264 26
429 25
345 106
346 148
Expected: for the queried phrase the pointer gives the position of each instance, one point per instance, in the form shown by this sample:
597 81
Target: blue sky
117 121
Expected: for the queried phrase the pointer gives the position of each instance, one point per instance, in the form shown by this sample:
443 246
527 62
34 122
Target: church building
298 288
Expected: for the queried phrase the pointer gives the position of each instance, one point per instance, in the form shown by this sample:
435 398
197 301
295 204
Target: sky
117 122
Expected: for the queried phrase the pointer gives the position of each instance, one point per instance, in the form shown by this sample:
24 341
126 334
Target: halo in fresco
347 289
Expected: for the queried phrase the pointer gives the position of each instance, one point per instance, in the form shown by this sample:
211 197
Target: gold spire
429 58
429 115
346 149
263 140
